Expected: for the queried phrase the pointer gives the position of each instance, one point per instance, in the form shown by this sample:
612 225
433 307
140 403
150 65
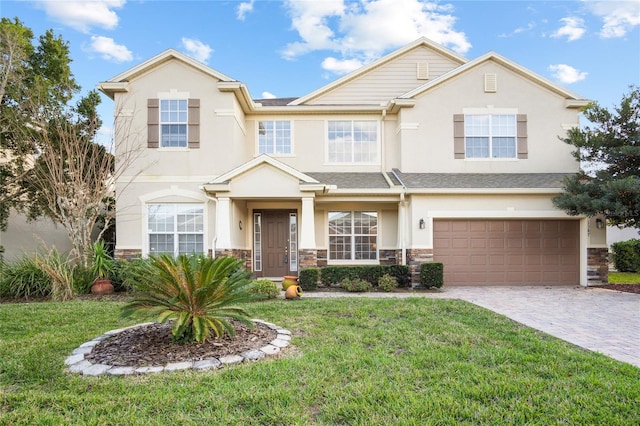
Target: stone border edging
78 363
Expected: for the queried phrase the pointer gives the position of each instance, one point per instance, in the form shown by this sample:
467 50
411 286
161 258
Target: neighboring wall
25 238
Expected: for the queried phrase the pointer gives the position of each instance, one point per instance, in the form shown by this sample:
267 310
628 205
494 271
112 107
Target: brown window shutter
458 136
523 151
153 121
194 123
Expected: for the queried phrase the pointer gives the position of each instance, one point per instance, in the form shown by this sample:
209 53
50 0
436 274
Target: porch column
307 224
223 224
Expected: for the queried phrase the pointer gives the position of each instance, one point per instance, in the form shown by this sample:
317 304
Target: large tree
609 150
35 82
52 165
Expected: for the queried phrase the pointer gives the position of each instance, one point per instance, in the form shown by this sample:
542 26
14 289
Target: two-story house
419 156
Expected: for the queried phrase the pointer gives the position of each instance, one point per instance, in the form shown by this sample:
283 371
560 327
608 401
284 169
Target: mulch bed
627 288
153 345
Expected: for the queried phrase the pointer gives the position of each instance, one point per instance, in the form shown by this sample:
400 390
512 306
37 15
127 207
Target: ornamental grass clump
199 294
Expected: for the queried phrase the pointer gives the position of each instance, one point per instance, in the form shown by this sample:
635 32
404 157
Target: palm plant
198 293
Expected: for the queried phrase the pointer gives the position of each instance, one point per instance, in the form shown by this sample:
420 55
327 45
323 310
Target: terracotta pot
102 287
293 292
289 280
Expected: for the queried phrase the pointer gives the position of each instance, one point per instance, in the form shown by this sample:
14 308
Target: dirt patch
153 345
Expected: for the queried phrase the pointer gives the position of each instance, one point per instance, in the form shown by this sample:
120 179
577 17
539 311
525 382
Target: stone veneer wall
243 254
307 258
127 254
597 266
415 258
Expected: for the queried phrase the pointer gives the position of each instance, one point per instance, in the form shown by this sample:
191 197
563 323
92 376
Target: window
293 242
257 242
352 141
274 137
176 228
490 136
173 123
353 235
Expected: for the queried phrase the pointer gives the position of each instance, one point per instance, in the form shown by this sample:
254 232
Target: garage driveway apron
603 321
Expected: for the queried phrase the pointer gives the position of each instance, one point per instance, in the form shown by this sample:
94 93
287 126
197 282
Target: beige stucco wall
25 238
222 132
480 206
429 148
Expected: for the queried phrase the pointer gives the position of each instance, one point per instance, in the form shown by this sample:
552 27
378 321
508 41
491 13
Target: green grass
353 361
624 277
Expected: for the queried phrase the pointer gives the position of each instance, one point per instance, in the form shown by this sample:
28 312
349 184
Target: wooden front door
275 228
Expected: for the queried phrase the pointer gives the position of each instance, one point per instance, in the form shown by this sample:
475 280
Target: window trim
352 235
175 232
353 163
275 154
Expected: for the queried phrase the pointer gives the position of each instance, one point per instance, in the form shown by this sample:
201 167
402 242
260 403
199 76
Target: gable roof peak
163 57
422 41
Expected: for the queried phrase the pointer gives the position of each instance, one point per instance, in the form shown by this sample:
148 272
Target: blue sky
290 48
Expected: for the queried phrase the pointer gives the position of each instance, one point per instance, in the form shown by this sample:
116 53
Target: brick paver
600 320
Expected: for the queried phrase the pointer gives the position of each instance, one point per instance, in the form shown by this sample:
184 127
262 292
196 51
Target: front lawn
353 361
624 277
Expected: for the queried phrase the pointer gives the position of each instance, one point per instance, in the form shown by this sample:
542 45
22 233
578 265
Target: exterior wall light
421 224
599 224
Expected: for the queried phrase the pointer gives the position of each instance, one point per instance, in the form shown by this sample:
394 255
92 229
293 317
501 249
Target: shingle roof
351 180
482 180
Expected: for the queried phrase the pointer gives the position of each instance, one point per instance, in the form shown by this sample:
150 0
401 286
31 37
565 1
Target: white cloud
109 50
573 29
197 49
567 74
364 30
83 15
268 95
618 17
343 66
244 8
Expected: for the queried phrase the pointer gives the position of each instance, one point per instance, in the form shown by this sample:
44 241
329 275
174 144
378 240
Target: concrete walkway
600 320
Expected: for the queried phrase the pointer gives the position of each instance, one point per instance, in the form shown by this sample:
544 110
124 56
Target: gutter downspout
403 217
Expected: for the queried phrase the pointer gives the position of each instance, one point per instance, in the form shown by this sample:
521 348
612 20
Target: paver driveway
600 320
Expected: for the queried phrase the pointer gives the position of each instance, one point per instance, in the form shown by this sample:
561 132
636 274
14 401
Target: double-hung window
173 123
274 137
490 136
352 141
175 229
353 235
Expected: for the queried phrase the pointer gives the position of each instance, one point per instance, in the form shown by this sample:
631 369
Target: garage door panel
508 251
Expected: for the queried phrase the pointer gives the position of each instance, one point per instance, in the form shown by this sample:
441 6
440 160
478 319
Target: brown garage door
483 252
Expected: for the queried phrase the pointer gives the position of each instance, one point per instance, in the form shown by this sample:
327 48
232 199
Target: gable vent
422 71
490 83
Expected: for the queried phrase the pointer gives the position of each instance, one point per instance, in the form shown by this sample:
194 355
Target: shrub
356 285
626 255
266 288
83 279
122 274
387 283
198 293
432 274
333 275
308 279
24 279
